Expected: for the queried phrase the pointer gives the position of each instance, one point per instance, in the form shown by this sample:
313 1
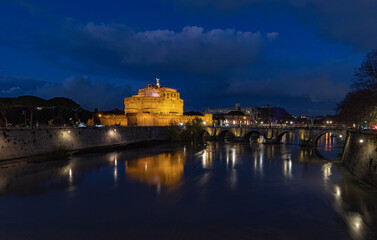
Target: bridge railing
281 127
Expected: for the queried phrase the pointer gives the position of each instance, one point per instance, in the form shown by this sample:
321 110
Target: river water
215 191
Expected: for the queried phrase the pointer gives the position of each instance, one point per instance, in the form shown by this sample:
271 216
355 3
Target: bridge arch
280 136
297 136
206 135
249 134
226 134
319 135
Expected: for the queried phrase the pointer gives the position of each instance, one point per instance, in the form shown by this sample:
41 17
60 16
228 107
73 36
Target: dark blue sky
296 54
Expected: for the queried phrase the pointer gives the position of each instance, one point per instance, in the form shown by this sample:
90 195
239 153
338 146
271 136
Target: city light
361 140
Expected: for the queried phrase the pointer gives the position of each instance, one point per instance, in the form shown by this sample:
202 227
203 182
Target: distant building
245 110
249 115
231 116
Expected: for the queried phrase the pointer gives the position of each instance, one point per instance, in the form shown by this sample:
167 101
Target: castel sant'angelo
154 105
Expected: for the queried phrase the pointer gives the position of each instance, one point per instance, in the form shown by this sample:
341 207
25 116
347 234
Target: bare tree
360 105
5 105
366 74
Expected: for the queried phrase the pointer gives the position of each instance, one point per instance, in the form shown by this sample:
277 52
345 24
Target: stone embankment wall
23 142
360 155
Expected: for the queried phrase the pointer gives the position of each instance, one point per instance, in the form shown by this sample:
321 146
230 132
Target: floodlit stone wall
113 120
360 155
22 142
147 119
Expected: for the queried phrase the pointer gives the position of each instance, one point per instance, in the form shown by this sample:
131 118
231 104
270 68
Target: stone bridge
308 136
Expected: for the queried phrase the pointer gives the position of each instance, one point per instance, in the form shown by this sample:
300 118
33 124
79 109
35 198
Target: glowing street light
361 140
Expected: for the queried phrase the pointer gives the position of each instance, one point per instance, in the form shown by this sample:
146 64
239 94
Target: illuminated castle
154 105
155 99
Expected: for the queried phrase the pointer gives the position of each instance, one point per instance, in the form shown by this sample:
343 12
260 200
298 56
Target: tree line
30 111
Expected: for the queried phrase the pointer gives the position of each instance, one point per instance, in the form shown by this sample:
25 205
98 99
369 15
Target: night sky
296 54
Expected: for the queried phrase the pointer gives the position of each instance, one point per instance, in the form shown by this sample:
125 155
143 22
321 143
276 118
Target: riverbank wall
360 155
25 142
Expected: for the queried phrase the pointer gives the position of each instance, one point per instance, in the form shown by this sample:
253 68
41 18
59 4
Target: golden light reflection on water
259 159
160 169
353 220
326 171
287 168
204 159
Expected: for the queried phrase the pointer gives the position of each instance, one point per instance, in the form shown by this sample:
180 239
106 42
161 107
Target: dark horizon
298 56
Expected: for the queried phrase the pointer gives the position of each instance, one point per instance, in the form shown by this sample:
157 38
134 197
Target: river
219 190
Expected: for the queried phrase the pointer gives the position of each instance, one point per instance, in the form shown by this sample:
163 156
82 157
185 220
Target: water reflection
160 169
287 168
353 219
330 145
326 171
238 188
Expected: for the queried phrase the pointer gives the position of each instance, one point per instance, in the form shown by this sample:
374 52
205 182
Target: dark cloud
349 21
13 86
87 93
228 5
118 50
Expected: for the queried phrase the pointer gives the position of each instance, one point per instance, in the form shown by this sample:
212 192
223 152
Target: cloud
89 94
13 86
118 50
348 21
228 5
314 93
